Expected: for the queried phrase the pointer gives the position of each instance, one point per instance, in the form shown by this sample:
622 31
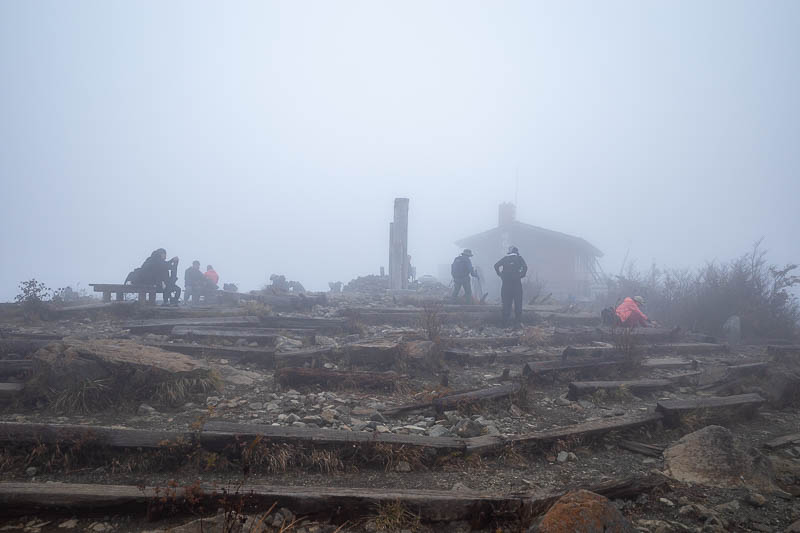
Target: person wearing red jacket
212 275
629 313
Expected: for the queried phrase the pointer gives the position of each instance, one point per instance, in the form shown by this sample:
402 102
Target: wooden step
493 443
165 325
582 388
340 504
9 390
745 403
216 435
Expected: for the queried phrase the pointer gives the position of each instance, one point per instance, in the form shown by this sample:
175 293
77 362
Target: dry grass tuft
431 322
534 336
394 516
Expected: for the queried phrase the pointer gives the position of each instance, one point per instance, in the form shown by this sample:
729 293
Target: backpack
461 267
133 276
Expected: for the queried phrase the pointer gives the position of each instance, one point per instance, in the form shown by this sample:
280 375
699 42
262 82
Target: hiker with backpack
461 270
511 269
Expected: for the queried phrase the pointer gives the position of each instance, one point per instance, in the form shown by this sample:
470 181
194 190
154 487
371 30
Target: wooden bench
147 293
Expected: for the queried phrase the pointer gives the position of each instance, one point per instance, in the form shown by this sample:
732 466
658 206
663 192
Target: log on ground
744 403
454 401
325 378
583 388
265 336
165 325
114 437
218 435
264 357
491 443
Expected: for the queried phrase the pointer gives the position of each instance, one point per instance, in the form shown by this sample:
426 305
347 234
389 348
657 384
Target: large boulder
712 456
584 512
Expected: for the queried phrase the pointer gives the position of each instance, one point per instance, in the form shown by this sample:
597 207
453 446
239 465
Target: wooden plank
582 388
8 390
119 287
115 437
265 336
218 435
325 378
672 408
165 325
491 443
264 356
11 367
782 442
338 503
455 401
540 368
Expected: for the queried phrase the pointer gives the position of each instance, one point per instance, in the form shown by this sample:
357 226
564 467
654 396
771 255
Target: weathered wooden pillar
398 253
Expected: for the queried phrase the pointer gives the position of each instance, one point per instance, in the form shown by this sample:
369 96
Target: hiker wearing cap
461 270
630 313
511 269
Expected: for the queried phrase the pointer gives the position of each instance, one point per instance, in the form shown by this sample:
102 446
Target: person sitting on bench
195 282
157 271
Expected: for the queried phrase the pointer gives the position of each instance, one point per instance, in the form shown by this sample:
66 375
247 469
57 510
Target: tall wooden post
398 251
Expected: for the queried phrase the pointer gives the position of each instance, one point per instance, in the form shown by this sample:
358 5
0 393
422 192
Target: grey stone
256 406
30 471
146 410
403 466
467 428
562 457
438 431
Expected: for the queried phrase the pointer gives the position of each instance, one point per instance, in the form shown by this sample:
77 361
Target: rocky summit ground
282 388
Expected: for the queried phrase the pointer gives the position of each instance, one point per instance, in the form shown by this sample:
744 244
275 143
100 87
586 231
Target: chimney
507 214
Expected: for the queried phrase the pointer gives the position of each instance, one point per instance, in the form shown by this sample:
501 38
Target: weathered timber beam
165 325
493 443
304 377
582 388
455 401
672 409
539 368
262 356
8 390
13 432
218 435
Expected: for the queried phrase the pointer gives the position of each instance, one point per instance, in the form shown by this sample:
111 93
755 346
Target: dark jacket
462 268
511 268
193 277
155 271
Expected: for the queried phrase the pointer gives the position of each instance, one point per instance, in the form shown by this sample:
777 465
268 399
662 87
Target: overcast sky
271 137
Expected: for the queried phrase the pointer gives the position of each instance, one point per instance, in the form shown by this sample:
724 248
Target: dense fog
272 137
